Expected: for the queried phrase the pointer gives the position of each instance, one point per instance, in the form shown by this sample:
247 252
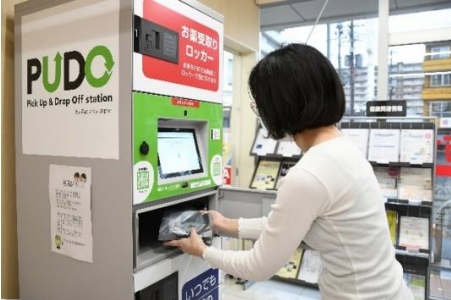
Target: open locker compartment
234 203
244 202
148 249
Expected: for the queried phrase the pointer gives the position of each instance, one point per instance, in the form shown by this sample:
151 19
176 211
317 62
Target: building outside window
441 80
440 52
357 39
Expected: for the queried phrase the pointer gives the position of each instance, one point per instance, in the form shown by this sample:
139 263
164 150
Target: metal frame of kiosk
131 92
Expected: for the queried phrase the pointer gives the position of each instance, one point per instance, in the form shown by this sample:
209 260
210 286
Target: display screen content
178 153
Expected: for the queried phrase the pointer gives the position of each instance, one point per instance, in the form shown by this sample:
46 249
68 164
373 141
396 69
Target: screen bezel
185 173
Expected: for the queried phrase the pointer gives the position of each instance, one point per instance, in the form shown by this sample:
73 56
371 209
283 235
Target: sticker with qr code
143 180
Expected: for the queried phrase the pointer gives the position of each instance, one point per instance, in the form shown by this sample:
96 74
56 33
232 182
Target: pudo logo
35 68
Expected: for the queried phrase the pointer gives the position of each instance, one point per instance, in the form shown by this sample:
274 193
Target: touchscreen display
178 153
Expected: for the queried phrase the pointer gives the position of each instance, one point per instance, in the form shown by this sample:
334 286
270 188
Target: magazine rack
406 208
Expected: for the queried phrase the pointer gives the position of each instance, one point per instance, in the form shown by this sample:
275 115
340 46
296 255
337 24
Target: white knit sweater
331 200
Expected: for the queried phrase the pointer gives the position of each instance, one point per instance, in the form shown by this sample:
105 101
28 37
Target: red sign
443 167
198 50
185 102
227 175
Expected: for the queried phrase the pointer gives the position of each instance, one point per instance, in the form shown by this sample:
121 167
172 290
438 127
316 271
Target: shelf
277 156
295 281
441 266
407 203
154 252
401 165
422 253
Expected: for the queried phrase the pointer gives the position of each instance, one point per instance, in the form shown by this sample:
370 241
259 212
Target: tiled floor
440 284
268 290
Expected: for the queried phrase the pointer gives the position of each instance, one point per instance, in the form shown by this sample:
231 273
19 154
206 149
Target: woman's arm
300 200
242 228
223 225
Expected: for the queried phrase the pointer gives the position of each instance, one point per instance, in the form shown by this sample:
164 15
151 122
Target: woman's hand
218 220
193 245
223 225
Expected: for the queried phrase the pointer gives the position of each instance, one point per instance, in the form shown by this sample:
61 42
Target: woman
330 199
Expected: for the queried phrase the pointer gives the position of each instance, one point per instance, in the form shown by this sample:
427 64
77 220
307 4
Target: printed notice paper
263 145
414 232
359 137
387 178
310 267
70 211
384 145
417 145
415 184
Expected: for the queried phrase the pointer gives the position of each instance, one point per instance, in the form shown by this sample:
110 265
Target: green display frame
148 111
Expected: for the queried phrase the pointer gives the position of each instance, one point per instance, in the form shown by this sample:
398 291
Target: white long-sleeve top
331 200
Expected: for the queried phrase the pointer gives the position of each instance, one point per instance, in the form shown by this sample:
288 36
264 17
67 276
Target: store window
406 77
420 80
351 46
434 19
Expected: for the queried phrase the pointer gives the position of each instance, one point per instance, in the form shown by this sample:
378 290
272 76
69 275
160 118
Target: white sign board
70 211
70 80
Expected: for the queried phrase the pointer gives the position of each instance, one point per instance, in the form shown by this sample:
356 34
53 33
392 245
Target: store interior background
416 67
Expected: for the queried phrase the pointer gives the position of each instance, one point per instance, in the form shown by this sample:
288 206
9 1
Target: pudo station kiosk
118 118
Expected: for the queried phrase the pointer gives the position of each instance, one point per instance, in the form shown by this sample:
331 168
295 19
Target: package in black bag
177 224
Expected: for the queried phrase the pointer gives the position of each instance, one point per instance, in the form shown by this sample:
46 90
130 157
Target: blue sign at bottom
202 287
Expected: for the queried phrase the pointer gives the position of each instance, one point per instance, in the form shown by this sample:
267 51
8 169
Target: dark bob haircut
296 88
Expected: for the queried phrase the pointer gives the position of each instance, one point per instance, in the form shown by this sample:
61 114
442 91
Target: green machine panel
177 146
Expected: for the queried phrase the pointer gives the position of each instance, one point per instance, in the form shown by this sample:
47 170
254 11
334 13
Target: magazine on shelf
387 178
384 145
288 149
392 218
266 175
417 146
415 184
417 284
414 232
263 146
359 136
291 268
310 266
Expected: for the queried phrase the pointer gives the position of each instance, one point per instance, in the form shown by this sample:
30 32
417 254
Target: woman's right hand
218 220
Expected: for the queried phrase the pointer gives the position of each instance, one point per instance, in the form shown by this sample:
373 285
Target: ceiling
281 14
